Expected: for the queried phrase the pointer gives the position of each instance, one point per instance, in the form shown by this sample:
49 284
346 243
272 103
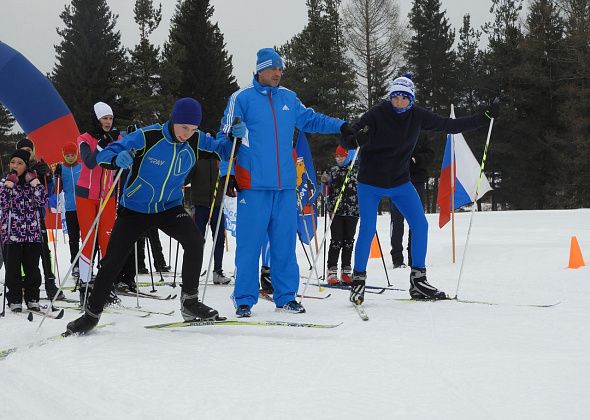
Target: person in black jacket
421 157
387 135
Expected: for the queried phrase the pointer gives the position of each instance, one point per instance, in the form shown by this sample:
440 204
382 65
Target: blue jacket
271 114
160 166
69 177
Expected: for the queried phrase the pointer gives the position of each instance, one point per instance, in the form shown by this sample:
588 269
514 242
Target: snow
412 360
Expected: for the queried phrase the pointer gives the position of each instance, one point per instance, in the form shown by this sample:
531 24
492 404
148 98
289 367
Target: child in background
68 172
21 194
343 228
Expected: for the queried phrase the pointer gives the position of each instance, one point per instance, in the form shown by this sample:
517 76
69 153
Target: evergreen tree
196 62
144 71
7 143
6 121
90 62
375 39
469 66
573 107
318 71
430 56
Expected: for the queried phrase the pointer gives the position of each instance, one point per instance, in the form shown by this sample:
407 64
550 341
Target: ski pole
481 175
229 166
382 259
305 252
149 255
313 267
136 275
175 264
94 224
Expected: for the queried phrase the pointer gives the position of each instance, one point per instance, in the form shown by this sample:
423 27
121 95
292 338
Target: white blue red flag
307 190
466 175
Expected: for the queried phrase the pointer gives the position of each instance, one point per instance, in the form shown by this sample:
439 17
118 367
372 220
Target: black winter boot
265 280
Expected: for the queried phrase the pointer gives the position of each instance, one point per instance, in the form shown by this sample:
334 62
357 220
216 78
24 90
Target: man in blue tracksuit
265 173
159 157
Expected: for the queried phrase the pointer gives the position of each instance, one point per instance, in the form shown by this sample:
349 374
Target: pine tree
318 71
430 56
6 121
375 39
469 66
144 71
196 62
90 62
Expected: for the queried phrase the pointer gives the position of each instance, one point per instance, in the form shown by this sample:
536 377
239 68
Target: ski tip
60 315
30 317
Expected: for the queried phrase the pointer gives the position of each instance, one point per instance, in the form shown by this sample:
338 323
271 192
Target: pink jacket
94 181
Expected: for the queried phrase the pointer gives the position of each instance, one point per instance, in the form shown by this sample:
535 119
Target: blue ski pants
408 202
261 212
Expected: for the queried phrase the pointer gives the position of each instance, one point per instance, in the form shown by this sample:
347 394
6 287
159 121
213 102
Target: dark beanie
22 154
25 143
186 111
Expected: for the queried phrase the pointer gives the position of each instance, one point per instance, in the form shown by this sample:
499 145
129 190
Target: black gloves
494 109
57 171
42 168
104 140
232 186
351 139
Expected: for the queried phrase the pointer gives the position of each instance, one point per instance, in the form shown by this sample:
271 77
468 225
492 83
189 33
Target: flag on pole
466 172
307 189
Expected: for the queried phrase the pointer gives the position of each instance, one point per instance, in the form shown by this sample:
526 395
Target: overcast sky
29 26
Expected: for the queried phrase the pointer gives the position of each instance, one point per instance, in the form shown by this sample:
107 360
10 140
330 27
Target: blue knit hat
268 58
403 86
186 111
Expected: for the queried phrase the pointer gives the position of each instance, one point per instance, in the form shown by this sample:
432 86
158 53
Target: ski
314 297
113 310
368 289
55 314
147 295
146 311
235 322
361 311
481 302
6 352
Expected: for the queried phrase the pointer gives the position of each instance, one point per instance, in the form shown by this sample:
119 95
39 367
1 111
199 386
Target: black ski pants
73 234
26 255
175 222
342 233
153 239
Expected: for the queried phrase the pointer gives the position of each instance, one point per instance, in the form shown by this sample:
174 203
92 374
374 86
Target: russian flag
466 175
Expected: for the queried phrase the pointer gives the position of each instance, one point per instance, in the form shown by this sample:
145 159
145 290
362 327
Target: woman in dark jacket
386 150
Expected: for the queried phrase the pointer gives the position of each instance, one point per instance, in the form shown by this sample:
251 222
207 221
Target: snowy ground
412 360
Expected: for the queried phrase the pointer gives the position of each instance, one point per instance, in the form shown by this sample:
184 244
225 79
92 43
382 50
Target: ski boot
332 275
33 305
15 307
191 309
420 289
346 275
265 280
83 324
51 289
357 287
83 293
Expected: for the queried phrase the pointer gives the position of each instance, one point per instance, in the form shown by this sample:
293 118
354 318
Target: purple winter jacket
20 214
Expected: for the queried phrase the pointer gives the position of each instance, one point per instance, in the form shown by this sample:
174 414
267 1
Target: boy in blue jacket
265 173
159 158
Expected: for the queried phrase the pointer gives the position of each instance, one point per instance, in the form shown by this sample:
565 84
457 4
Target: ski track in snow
411 360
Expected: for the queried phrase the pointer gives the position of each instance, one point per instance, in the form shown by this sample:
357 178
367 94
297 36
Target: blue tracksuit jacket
161 164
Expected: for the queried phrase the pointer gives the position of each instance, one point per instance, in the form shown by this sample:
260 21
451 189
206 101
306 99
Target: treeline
537 60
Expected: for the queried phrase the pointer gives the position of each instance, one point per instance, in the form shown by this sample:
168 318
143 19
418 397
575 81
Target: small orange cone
576 258
375 251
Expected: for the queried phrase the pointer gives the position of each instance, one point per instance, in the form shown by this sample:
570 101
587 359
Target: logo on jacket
286 108
155 161
243 201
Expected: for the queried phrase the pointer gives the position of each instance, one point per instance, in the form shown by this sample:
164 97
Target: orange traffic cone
375 251
576 258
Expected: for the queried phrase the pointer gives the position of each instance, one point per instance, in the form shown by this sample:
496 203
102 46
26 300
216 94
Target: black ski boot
265 280
191 309
357 287
420 289
83 293
83 324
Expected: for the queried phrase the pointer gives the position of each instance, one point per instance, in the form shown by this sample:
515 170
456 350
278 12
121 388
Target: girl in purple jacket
21 195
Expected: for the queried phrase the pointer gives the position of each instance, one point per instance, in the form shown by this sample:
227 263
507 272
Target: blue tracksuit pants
261 212
408 202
